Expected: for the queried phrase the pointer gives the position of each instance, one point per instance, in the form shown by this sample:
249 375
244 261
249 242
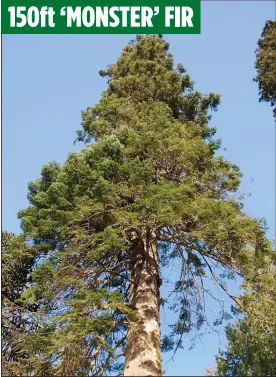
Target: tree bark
143 340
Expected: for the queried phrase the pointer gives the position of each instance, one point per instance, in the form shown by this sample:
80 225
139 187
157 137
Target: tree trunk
143 340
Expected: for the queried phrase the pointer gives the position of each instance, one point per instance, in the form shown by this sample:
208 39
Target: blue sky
49 79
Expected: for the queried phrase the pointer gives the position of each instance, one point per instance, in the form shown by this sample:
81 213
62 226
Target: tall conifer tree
147 190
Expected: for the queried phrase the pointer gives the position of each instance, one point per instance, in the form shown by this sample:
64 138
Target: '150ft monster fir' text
115 16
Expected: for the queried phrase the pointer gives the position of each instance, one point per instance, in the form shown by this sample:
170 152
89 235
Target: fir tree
146 191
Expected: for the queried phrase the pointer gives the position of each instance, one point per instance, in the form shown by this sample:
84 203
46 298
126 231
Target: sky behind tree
49 79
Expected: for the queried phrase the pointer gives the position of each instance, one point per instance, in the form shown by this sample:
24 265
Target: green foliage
152 165
17 260
266 64
252 340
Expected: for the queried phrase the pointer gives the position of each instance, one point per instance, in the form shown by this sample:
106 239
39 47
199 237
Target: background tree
251 343
147 191
266 64
17 260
